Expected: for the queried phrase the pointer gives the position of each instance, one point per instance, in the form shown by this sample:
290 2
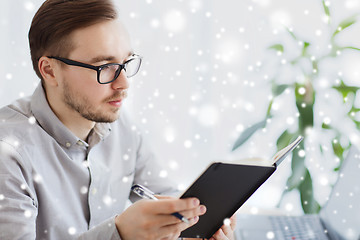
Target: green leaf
336 169
305 48
345 90
284 140
349 47
308 202
352 112
326 9
326 126
248 133
339 151
305 105
292 34
344 24
306 117
298 169
279 89
277 47
337 148
268 111
357 123
315 67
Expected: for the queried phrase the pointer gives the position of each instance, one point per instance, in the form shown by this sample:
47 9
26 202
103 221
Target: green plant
305 97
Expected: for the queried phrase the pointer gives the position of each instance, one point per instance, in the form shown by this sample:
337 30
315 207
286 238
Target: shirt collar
54 127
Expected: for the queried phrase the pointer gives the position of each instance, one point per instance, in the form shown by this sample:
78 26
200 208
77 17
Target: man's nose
121 82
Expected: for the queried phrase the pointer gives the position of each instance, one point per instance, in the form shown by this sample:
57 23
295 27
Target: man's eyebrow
107 58
101 58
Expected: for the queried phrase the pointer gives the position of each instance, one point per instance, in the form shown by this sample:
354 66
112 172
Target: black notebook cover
223 188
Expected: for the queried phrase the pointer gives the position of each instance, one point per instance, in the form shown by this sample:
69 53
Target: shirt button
94 191
80 143
68 144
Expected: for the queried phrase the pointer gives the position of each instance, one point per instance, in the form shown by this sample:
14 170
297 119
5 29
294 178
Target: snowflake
270 235
289 207
27 213
173 165
125 179
163 174
84 190
29 6
169 134
174 21
155 23
72 230
126 157
227 222
32 120
208 115
37 178
187 144
8 76
254 210
107 200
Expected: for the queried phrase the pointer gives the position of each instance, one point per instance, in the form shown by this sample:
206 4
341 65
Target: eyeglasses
109 72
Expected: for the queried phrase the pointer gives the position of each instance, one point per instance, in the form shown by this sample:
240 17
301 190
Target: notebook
225 186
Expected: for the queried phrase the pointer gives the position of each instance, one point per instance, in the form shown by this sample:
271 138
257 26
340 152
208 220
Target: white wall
203 78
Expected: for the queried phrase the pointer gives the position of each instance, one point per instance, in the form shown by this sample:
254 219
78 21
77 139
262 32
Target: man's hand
147 219
226 232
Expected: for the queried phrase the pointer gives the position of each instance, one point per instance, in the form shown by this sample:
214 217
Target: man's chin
109 119
103 118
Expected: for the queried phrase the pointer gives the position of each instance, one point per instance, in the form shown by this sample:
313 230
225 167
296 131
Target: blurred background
206 77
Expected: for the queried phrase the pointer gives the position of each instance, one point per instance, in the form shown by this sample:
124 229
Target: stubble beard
81 105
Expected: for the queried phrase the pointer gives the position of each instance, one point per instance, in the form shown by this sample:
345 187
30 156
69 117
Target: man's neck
78 125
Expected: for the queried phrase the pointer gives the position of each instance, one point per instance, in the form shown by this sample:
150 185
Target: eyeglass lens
111 72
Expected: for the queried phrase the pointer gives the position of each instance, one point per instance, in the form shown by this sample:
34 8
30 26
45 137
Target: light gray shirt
55 186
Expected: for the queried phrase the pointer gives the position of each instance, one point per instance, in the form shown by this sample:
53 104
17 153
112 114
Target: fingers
179 227
233 222
200 210
164 197
168 219
226 232
156 221
162 210
219 235
168 206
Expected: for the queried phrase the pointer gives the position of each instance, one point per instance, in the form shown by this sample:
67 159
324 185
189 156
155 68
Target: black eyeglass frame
99 68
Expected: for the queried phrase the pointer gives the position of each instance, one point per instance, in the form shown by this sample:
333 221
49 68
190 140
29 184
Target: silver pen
145 193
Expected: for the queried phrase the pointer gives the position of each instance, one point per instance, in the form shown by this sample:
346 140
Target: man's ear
47 68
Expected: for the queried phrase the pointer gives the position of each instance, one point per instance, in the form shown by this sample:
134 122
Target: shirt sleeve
18 204
106 230
150 173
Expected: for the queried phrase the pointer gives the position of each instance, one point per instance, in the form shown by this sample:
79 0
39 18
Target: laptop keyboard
297 228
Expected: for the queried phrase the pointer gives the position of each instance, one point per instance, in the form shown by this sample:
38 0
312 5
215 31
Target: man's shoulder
20 109
15 118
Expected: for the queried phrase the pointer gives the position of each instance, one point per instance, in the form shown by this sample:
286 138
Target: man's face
103 43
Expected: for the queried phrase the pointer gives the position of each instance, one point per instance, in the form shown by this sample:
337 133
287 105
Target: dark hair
57 19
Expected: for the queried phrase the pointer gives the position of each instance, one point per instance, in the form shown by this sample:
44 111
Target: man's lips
115 103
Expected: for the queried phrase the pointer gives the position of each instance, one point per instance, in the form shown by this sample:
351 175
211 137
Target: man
69 154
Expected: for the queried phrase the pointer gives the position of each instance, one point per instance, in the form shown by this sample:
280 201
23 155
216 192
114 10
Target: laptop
339 219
